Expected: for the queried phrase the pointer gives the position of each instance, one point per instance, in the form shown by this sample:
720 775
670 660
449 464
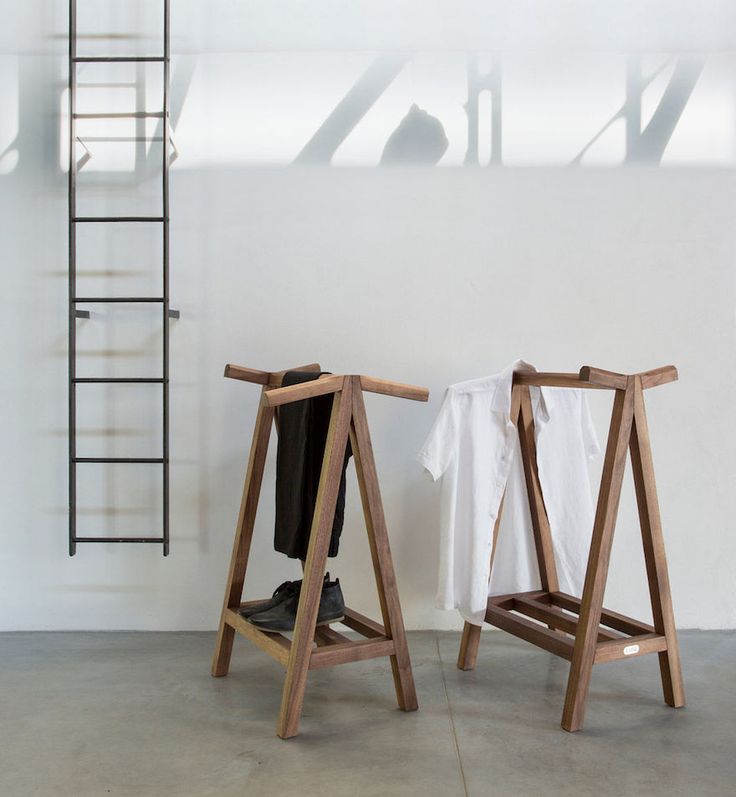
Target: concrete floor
138 714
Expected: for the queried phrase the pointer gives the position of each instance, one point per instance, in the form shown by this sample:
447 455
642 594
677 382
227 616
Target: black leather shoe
279 594
281 618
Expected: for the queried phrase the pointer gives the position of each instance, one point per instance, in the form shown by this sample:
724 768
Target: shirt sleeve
439 447
590 437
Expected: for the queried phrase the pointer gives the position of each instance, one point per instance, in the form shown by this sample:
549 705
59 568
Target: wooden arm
264 377
247 374
387 388
305 390
658 376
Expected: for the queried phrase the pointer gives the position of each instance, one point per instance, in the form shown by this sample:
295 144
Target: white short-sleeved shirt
474 448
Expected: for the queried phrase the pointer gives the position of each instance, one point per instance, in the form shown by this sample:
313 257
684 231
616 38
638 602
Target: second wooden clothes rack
314 647
580 629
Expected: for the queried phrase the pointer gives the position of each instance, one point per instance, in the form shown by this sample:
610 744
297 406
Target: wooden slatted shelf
332 647
555 630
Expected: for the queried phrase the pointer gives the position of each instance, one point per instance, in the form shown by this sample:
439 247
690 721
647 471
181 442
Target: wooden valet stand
580 629
313 647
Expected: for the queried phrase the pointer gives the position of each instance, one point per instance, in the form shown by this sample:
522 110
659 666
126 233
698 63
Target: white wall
425 275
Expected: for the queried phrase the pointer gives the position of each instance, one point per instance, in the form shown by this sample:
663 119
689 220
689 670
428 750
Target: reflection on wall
381 109
9 113
449 109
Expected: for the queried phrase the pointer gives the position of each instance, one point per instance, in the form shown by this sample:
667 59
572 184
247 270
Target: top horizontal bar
597 378
304 390
273 379
549 379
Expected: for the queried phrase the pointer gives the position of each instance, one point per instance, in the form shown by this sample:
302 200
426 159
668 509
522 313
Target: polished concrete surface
132 714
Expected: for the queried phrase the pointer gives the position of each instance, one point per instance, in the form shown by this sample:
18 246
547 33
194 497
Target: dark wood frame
314 647
580 629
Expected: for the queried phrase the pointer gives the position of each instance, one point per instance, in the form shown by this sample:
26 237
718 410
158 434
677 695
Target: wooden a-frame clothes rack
313 646
580 629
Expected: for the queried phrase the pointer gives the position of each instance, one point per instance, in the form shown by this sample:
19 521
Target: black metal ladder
76 312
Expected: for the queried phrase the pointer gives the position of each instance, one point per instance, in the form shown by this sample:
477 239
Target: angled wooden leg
243 536
654 553
540 521
467 657
314 568
383 567
600 551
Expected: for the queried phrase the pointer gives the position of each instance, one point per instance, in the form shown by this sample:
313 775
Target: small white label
629 650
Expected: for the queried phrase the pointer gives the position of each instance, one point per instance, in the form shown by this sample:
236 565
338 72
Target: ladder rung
134 460
118 539
121 115
107 299
94 380
87 219
102 59
117 139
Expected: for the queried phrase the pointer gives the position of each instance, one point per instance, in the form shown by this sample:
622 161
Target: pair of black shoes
278 613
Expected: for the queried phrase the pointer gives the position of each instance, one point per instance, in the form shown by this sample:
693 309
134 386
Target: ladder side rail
165 286
72 289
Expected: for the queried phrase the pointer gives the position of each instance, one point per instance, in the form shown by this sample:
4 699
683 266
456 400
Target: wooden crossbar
369 384
596 378
581 630
313 646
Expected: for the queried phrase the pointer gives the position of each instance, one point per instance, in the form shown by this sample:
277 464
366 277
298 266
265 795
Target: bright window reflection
9 115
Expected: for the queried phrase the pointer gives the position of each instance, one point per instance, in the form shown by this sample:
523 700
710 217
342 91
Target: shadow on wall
421 138
118 147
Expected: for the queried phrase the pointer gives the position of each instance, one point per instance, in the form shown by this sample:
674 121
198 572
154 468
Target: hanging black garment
302 435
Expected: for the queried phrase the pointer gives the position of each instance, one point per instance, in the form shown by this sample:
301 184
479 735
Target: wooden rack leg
243 536
467 658
600 551
540 521
654 552
314 568
383 568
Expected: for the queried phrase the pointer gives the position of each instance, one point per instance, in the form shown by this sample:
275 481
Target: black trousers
303 429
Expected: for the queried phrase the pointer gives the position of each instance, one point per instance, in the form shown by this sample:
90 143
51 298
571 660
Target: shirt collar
501 401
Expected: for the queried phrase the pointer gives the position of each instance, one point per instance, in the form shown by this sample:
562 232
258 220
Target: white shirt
474 447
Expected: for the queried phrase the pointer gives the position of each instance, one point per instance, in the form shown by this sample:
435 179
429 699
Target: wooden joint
275 645
601 378
363 625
